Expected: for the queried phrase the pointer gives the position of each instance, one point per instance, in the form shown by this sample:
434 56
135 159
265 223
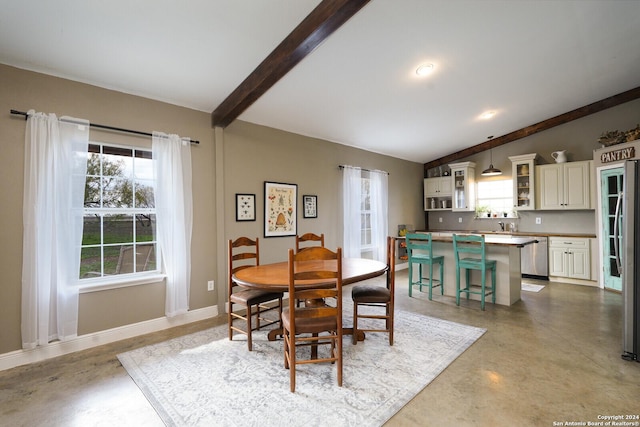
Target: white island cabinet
505 250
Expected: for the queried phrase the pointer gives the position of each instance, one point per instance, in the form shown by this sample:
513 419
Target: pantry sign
618 155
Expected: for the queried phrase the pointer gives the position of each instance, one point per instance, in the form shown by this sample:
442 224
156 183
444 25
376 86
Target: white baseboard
59 348
573 281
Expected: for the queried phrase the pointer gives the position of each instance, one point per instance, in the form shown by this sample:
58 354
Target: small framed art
310 206
280 209
245 207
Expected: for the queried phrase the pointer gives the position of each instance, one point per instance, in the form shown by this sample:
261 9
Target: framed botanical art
245 207
310 206
280 209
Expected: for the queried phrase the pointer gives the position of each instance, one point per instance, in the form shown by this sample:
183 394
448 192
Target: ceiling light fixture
491 171
487 115
424 69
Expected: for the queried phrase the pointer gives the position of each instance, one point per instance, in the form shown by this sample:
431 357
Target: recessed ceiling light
424 69
487 115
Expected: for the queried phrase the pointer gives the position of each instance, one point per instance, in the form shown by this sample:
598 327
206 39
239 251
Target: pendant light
491 171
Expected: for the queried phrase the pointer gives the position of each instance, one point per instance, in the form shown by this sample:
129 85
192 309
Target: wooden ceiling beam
578 113
327 17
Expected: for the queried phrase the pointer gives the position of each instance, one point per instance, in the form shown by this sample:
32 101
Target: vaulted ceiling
526 61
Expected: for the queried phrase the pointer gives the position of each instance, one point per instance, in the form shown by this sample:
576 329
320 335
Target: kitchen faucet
501 224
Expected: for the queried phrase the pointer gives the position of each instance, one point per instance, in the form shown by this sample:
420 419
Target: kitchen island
504 249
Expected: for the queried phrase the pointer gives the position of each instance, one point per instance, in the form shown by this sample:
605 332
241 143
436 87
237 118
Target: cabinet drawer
574 242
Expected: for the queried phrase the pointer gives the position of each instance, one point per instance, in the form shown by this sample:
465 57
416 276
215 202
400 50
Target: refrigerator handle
616 232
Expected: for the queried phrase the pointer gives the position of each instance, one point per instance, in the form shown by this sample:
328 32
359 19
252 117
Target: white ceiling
526 60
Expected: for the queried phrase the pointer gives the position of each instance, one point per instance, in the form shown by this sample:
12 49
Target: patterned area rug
203 379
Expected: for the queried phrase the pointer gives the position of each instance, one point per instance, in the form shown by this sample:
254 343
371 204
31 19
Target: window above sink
495 199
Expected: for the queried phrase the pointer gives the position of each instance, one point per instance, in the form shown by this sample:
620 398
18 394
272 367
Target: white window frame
489 193
126 279
365 219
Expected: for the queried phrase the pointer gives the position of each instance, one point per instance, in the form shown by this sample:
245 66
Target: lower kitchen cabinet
569 257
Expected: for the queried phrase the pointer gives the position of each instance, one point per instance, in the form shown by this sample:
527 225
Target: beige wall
235 160
23 90
578 137
254 154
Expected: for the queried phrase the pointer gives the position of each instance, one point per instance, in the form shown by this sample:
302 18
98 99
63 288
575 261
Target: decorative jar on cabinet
523 168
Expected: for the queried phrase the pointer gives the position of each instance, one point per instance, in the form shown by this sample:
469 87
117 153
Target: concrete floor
552 357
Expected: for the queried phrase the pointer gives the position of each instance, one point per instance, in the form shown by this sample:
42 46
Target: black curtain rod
362 169
95 125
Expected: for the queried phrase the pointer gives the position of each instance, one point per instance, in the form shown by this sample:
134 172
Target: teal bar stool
423 242
474 245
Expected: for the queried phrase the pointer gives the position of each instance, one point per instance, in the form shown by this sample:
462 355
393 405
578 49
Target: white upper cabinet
437 193
564 185
463 196
437 187
523 172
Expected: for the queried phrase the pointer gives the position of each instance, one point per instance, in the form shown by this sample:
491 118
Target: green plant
480 209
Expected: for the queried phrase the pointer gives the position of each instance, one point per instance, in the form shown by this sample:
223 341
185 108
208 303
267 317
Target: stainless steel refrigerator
627 225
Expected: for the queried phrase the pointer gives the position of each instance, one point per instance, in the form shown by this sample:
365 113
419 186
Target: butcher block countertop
515 233
489 239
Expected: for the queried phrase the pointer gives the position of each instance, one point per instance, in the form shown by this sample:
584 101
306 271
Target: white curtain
352 201
174 216
379 187
54 179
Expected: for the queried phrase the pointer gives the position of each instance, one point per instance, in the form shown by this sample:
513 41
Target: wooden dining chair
473 245
308 237
319 324
245 252
377 296
307 241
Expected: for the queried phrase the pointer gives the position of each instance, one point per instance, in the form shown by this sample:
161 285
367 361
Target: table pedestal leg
349 331
274 334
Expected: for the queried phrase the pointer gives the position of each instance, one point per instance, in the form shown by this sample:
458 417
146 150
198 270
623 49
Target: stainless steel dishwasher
534 259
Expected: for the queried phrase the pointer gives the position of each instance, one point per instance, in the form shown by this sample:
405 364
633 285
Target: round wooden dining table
275 277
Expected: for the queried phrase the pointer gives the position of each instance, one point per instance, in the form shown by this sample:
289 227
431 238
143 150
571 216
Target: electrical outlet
538 220
211 285
440 219
459 219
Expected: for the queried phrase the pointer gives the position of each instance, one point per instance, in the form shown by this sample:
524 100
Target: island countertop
490 239
514 233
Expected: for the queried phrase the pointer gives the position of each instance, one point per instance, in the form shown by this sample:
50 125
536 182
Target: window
365 219
365 216
119 234
496 196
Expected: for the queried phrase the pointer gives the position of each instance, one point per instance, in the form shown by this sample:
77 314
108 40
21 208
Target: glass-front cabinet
523 168
464 186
